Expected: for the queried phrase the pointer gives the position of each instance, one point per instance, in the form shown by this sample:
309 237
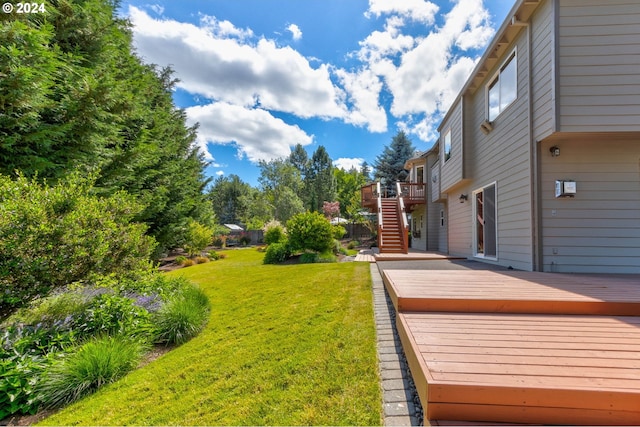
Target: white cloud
219 173
348 163
363 88
211 63
256 133
296 33
417 10
224 29
424 75
158 9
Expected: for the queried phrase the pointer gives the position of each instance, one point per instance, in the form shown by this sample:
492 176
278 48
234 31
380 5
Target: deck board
513 292
525 368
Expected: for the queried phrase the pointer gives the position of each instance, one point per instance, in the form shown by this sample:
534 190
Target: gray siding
433 209
503 157
598 231
451 171
599 59
542 71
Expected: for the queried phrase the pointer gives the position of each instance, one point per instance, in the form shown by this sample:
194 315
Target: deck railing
368 195
412 192
380 225
404 229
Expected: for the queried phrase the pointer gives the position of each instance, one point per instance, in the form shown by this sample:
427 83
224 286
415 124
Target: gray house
538 160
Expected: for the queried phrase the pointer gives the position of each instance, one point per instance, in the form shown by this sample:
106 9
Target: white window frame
476 253
511 58
446 146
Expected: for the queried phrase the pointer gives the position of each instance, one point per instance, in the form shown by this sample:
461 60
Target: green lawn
285 345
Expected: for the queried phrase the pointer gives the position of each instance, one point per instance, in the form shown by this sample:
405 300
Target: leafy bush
326 257
100 361
353 244
274 234
276 253
116 315
310 231
183 316
338 231
53 236
308 258
181 259
19 375
197 237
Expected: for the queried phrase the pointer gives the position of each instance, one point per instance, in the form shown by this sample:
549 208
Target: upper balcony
411 193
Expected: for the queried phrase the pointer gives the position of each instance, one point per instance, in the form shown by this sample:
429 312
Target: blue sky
260 76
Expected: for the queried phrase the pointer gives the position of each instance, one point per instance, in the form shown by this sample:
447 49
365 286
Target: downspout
533 154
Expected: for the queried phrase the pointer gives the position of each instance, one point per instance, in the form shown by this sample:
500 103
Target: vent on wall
486 127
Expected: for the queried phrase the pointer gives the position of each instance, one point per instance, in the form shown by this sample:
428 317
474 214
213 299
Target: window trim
474 227
446 155
513 56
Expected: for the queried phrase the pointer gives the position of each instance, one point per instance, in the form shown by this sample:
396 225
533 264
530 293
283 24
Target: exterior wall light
555 151
462 198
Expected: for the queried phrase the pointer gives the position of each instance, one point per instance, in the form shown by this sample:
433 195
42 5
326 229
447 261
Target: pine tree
390 164
320 183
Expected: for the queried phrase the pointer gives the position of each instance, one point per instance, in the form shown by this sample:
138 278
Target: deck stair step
391 230
521 347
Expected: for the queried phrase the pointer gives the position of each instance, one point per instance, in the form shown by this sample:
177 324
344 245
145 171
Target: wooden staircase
391 238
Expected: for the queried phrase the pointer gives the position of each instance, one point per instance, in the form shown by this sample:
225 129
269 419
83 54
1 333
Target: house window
447 145
442 218
485 221
420 174
503 89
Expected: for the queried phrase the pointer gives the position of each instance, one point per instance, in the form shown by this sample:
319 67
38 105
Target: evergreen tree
320 183
390 164
73 96
226 198
299 159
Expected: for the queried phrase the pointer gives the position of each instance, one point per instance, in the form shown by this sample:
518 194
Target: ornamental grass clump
98 362
182 317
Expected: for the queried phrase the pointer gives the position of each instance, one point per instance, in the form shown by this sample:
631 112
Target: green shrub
214 256
338 231
19 374
197 237
181 259
182 317
98 362
326 257
276 253
53 236
116 315
310 231
274 234
353 244
308 258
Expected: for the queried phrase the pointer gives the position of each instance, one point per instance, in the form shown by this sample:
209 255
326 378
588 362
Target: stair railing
380 225
404 230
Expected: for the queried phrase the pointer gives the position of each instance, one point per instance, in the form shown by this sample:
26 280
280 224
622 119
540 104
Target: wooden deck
413 255
521 347
525 368
513 292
